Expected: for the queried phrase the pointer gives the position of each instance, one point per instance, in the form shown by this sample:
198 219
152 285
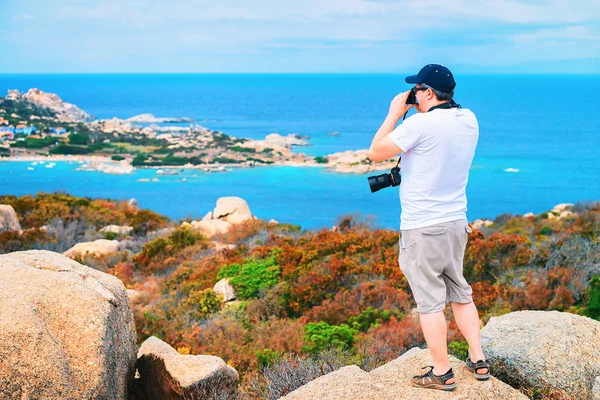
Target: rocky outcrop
230 211
234 210
66 330
392 381
211 227
482 223
98 247
66 112
545 349
225 289
167 375
275 143
112 125
356 162
151 119
286 141
118 229
108 167
562 207
8 219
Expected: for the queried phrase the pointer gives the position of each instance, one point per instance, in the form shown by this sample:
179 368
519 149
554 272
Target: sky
331 36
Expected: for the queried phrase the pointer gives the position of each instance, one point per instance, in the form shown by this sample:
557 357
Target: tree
79 138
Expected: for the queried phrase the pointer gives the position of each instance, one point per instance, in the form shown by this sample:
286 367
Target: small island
38 125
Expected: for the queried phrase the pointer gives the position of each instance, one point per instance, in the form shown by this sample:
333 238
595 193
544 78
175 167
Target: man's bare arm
382 146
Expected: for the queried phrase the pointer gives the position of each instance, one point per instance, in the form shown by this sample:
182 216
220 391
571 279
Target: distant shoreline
121 166
66 157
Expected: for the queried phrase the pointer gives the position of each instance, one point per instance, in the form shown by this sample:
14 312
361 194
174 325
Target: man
437 145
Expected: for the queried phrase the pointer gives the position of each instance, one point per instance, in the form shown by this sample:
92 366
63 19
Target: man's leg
435 330
467 320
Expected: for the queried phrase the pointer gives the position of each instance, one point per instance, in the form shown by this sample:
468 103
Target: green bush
459 349
66 149
139 160
79 138
267 357
320 336
184 237
241 149
154 248
117 158
321 160
258 160
254 275
110 235
593 308
203 303
368 318
225 160
546 231
32 143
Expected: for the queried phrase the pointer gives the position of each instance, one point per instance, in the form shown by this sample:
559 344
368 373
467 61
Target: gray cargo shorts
431 258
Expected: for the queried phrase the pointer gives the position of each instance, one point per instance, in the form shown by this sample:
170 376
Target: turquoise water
545 128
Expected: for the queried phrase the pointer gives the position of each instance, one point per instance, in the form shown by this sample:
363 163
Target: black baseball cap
436 76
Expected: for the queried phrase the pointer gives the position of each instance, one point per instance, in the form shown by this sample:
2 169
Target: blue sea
539 141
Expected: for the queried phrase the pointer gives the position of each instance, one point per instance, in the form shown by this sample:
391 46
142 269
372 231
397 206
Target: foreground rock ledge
545 349
392 382
167 375
66 330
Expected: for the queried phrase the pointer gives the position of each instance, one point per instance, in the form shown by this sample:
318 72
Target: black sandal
473 367
431 381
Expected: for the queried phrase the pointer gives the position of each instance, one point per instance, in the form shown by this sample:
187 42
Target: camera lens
379 182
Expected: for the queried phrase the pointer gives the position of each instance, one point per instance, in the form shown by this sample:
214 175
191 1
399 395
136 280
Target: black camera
412 98
379 182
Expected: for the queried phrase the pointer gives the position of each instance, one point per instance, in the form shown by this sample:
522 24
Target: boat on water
30 168
167 172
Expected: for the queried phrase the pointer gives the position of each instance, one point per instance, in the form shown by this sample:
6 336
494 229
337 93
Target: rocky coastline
60 131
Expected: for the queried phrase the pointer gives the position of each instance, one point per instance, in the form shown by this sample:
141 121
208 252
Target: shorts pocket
434 230
402 243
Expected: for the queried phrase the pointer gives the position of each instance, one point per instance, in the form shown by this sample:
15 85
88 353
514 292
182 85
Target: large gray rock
66 330
65 111
118 229
98 247
224 288
545 349
392 382
227 206
167 375
8 219
211 227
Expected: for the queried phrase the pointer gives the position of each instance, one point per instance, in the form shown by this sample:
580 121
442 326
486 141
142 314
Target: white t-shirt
438 147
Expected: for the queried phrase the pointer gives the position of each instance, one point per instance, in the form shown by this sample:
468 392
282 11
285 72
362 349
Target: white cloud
24 17
508 11
571 33
481 32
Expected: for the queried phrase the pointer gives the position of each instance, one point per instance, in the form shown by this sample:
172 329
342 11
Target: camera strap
445 106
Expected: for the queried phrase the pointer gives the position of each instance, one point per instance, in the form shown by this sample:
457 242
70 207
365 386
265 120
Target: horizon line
289 73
